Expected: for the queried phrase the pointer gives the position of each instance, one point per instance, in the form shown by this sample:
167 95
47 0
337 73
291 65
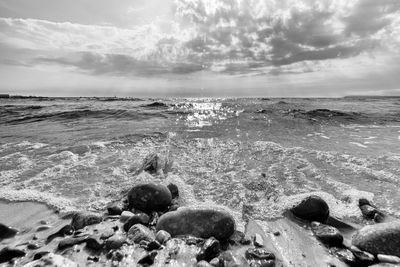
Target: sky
200 48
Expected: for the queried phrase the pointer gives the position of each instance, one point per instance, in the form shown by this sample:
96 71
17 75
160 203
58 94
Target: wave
156 105
86 113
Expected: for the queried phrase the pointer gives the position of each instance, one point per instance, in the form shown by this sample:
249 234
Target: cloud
235 37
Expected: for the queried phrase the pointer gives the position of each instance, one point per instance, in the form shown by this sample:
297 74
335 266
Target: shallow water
252 156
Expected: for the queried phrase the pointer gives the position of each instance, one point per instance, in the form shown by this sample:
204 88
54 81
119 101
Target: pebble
148 259
125 215
162 236
65 230
94 243
140 218
328 235
258 240
115 242
43 228
173 188
114 210
139 232
259 254
388 259
209 250
80 220
203 264
71 241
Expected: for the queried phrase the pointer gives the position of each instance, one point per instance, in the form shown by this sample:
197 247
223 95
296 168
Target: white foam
358 144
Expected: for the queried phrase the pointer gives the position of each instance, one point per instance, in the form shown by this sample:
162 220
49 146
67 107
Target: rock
259 254
388 259
80 220
94 243
149 197
139 232
114 210
65 230
258 240
40 254
148 259
383 238
152 245
43 228
227 259
141 218
52 260
203 264
162 237
33 246
173 188
156 164
216 262
7 232
204 223
209 250
107 233
125 215
313 208
115 242
7 254
345 255
328 235
71 241
93 258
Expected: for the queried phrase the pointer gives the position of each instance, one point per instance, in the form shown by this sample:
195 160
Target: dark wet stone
152 245
139 232
383 238
259 254
80 220
313 208
40 254
43 228
94 243
149 197
118 256
345 255
328 235
203 264
71 241
115 242
148 259
363 257
203 223
7 232
363 201
114 210
140 218
209 250
162 236
7 254
173 188
368 211
379 217
32 246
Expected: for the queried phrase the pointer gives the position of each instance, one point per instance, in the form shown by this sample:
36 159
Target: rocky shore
149 227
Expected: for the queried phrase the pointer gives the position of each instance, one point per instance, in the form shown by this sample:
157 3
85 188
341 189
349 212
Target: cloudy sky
200 47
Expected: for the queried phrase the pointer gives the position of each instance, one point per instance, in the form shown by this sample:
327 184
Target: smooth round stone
313 208
80 220
149 197
141 218
203 223
115 242
162 236
383 238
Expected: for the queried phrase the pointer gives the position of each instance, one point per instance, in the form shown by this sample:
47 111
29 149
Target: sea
252 156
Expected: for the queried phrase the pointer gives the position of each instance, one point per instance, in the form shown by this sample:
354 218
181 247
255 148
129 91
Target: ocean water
255 157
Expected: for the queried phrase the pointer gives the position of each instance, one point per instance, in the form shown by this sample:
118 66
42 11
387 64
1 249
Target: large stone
80 220
139 232
115 242
149 197
7 254
383 238
313 208
204 223
6 232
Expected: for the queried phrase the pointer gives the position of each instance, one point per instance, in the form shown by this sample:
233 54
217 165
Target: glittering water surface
253 156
